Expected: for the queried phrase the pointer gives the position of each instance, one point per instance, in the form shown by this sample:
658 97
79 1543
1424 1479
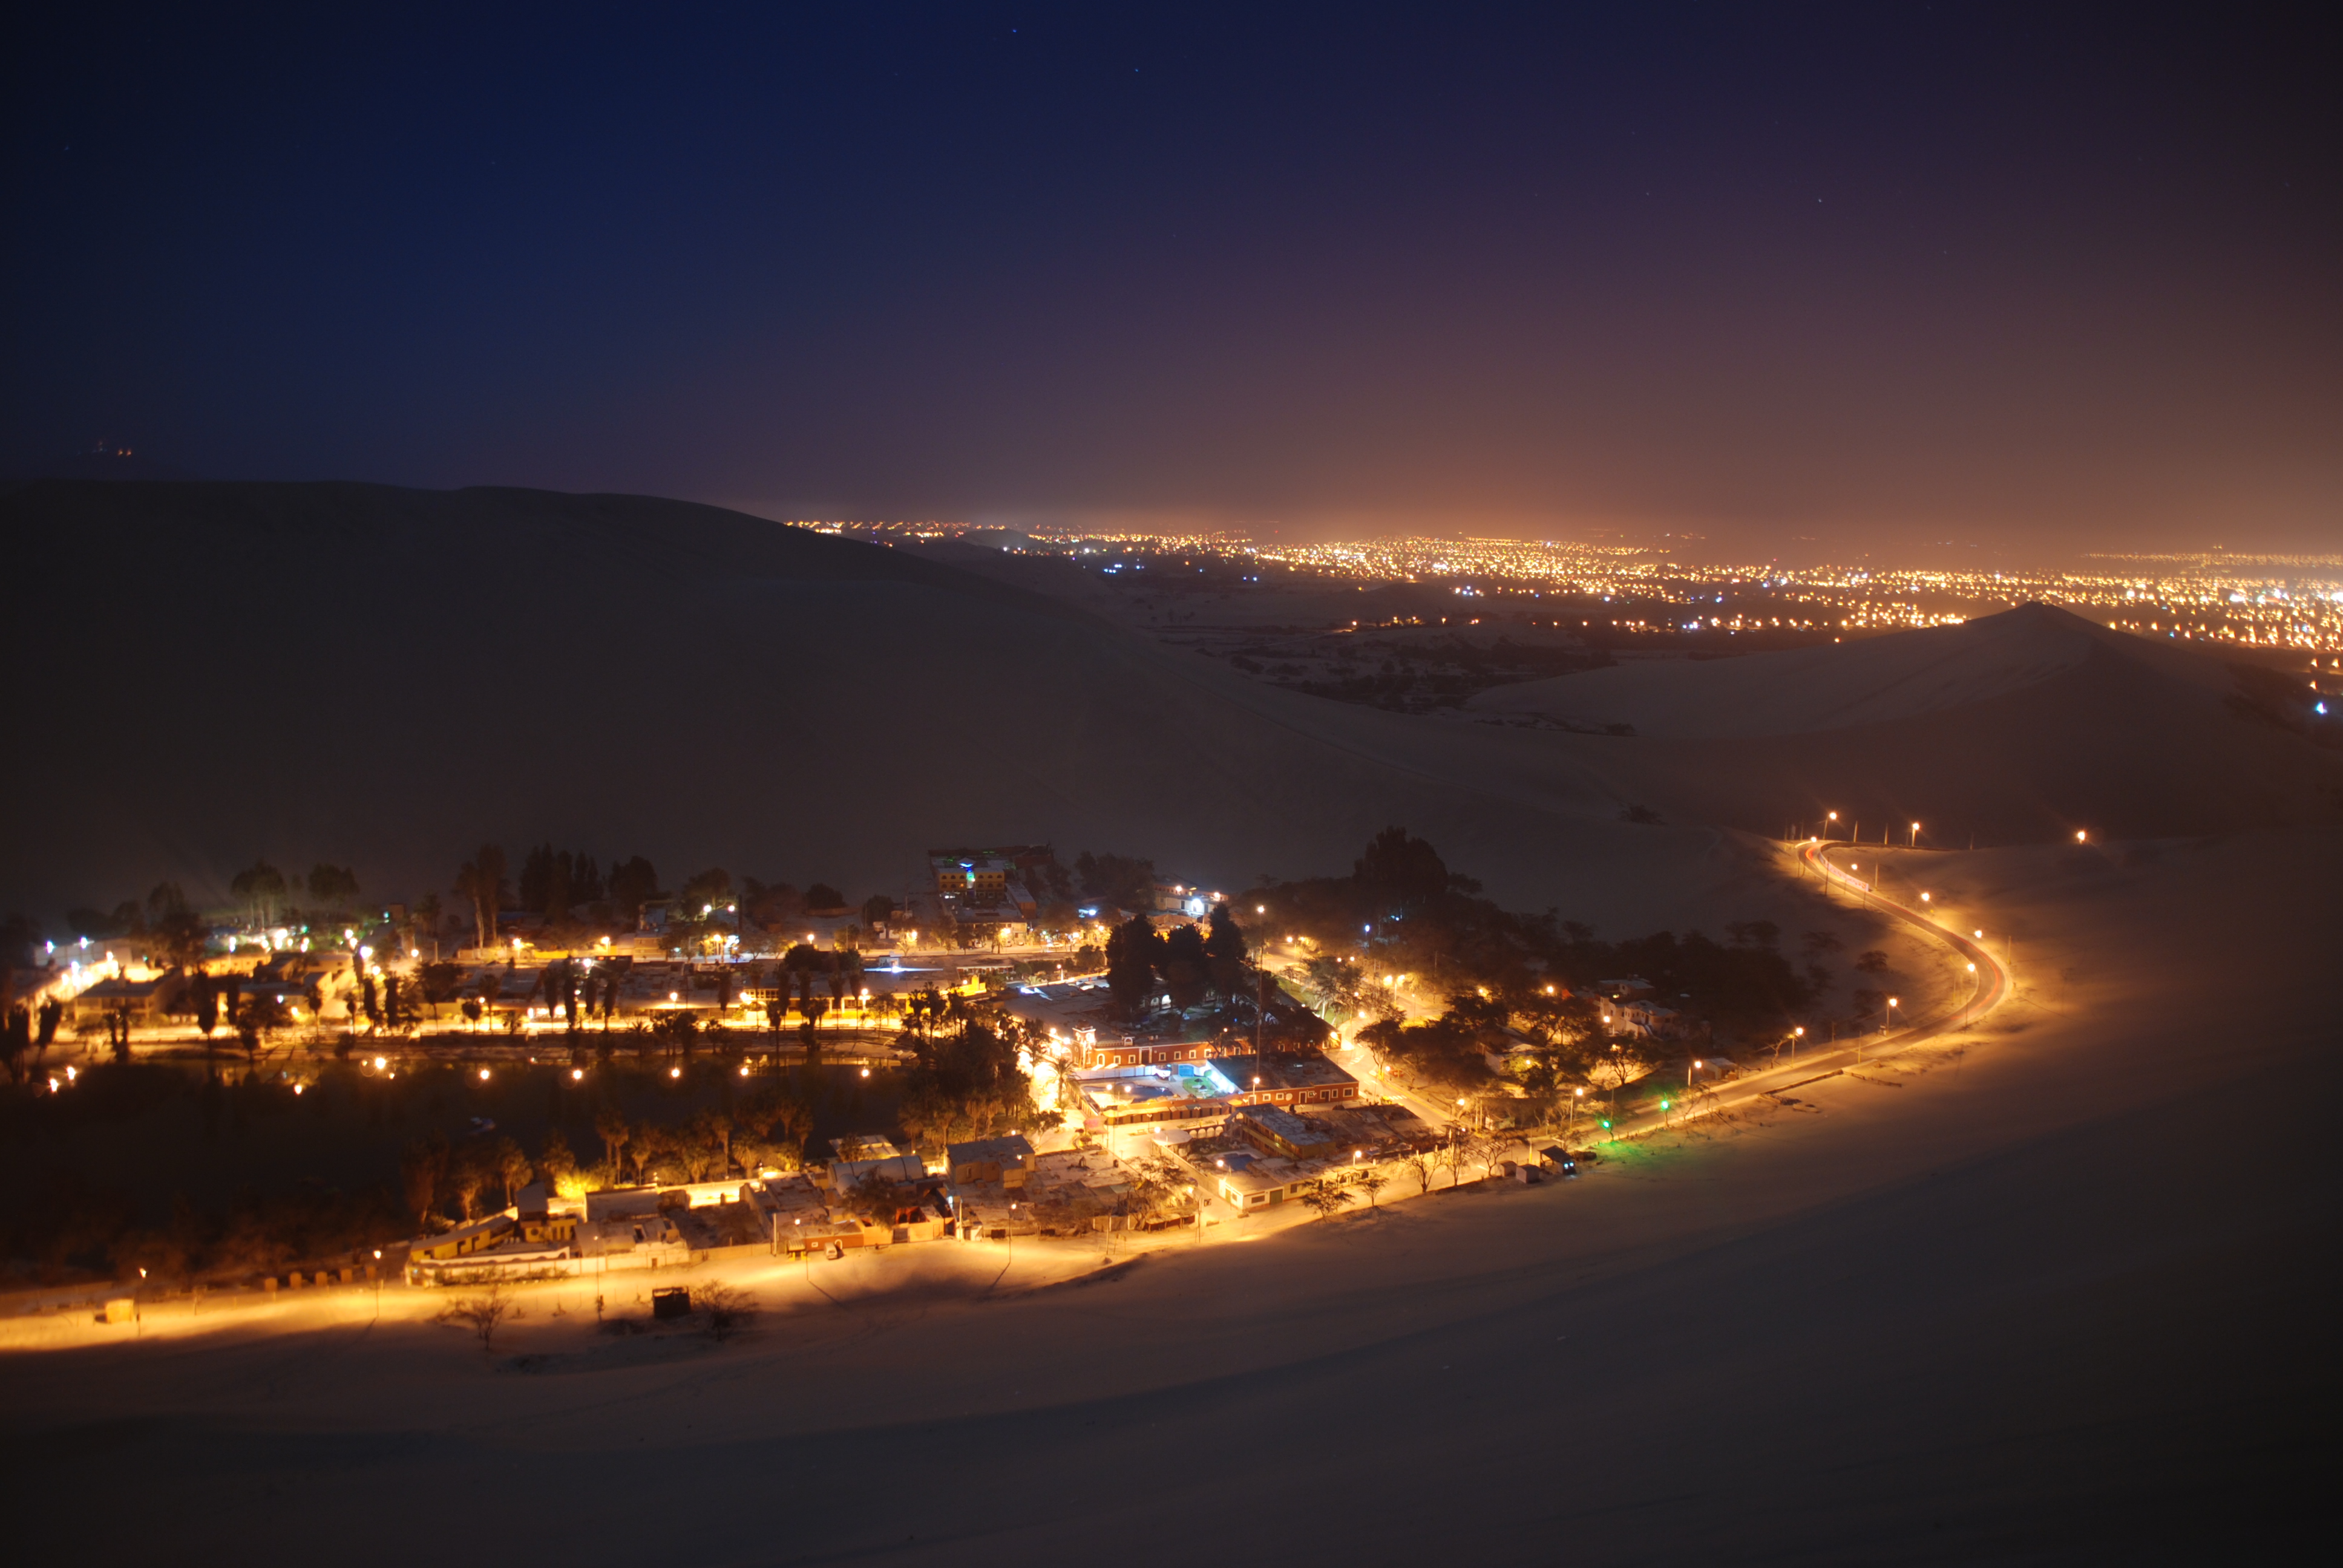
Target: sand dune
1875 680
211 673
385 677
2021 726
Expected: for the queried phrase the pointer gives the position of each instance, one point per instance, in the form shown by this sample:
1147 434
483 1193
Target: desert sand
2051 1289
390 677
2054 1291
2019 727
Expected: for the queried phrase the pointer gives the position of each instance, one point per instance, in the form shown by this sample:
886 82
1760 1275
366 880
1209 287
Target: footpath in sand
2053 1287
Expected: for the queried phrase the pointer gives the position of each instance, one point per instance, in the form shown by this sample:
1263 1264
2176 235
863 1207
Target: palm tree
612 1129
1070 1084
512 1167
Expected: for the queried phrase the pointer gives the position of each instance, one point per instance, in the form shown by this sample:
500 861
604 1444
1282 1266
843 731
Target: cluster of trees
965 1083
1511 979
554 883
763 1130
174 931
1186 963
1126 882
432 1173
71 1226
1449 1052
268 896
1406 912
813 973
261 1232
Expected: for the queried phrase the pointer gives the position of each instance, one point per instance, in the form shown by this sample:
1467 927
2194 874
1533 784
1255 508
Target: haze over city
1993 274
1313 784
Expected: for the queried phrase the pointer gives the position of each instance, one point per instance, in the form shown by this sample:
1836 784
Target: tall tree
611 1127
1179 959
535 876
632 885
1125 880
1397 867
512 1167
423 1173
1130 965
333 886
1224 952
260 887
555 1161
207 1003
481 880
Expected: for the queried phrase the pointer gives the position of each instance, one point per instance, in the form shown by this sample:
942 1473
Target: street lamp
1916 835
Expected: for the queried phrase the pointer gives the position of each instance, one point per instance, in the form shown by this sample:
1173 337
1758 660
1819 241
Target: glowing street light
1916 835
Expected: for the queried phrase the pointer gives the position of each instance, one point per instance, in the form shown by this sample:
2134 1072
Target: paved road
1991 990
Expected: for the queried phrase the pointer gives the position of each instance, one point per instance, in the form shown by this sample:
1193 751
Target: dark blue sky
1886 272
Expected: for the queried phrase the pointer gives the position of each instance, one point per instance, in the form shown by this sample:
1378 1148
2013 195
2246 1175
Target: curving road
1991 988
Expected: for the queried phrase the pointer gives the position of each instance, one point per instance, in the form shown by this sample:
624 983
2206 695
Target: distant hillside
208 673
2016 726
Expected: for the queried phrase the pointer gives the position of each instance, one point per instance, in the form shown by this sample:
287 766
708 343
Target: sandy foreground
2054 1289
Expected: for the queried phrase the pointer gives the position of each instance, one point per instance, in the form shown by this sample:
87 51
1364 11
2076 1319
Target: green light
1606 1121
1663 1105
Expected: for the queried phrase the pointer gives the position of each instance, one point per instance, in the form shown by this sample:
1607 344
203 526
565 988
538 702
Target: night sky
1885 274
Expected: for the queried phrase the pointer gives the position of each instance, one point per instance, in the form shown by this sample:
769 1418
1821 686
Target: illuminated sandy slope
2055 1294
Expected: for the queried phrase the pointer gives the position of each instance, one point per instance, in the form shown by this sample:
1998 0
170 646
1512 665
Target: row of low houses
989 1188
1266 1155
1256 1155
